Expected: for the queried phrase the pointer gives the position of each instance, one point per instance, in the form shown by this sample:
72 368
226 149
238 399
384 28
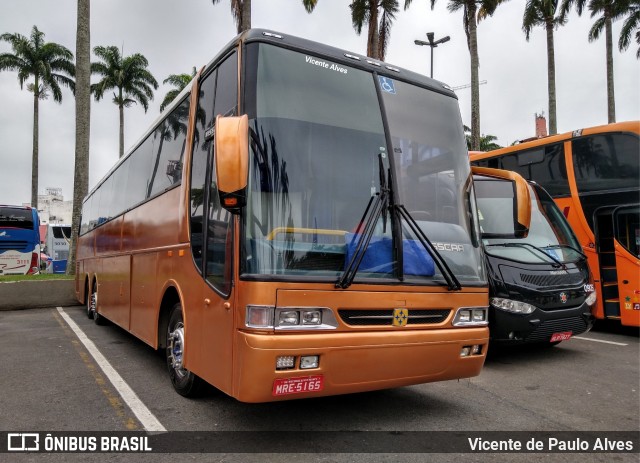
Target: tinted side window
201 146
218 268
120 202
169 140
546 166
139 172
606 162
106 199
86 214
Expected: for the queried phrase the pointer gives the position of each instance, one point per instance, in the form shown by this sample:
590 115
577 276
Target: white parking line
600 340
144 415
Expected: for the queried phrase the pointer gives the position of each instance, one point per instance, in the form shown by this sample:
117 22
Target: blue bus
19 240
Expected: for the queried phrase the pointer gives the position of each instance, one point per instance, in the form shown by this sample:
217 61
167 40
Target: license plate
561 336
286 386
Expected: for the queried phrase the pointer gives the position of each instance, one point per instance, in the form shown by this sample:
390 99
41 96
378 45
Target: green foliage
50 64
179 82
128 75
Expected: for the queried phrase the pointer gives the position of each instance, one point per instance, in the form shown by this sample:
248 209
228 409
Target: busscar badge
564 298
400 317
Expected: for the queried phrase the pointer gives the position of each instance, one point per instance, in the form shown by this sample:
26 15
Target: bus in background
57 247
594 177
270 233
540 287
19 240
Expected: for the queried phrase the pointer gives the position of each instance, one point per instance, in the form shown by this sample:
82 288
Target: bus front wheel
184 382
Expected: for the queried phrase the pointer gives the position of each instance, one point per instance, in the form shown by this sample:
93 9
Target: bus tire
184 382
92 301
97 318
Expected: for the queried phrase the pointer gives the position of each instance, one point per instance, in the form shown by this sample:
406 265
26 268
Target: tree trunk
121 110
373 36
611 100
83 112
475 85
34 155
551 77
246 16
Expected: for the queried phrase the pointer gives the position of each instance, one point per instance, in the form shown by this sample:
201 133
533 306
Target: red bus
296 225
594 176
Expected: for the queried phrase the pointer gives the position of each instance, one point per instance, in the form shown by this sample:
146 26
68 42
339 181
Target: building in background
53 209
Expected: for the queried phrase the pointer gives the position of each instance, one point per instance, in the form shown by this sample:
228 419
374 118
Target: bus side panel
144 300
114 293
628 268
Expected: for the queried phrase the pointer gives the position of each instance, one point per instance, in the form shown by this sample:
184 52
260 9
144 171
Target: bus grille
384 317
18 245
545 330
545 281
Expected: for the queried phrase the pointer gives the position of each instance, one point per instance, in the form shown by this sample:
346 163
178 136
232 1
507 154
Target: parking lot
52 382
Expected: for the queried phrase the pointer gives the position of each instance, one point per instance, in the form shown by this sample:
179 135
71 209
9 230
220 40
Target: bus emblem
400 317
563 298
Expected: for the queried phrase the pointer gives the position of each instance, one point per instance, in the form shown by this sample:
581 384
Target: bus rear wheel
184 382
92 300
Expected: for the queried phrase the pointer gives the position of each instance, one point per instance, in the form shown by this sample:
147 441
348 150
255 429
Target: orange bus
594 176
296 224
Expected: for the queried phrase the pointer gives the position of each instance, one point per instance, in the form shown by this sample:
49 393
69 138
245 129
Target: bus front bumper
353 362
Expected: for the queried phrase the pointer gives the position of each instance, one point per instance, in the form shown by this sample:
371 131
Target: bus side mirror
521 202
231 145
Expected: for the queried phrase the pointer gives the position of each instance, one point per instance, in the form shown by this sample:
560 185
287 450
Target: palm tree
543 13
377 15
51 66
83 111
631 23
472 12
128 75
610 10
179 81
241 11
487 142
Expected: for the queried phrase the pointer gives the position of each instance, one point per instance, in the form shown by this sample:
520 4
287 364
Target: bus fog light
591 299
309 361
259 316
288 318
285 362
466 350
475 349
311 317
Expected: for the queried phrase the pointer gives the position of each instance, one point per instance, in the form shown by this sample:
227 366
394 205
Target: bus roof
296 43
628 126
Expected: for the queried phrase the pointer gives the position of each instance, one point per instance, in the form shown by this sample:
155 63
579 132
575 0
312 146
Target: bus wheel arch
185 382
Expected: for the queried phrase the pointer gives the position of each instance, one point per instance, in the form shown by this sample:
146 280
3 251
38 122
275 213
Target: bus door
626 228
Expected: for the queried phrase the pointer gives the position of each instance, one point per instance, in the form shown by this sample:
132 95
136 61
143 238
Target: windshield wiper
366 228
452 282
530 246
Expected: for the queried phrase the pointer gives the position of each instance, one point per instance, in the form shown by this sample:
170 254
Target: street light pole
432 44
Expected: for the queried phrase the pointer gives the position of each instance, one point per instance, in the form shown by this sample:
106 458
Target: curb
37 294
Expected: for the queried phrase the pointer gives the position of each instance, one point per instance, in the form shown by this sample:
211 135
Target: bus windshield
550 239
11 217
319 157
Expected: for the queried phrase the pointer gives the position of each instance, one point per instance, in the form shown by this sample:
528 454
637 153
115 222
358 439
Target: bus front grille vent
548 328
384 317
545 281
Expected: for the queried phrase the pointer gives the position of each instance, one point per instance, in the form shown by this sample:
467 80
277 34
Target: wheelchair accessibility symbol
387 85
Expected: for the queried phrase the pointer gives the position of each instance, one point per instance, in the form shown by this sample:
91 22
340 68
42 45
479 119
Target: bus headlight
471 316
591 299
509 305
288 318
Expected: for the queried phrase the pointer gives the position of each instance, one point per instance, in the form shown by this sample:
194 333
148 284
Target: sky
176 35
